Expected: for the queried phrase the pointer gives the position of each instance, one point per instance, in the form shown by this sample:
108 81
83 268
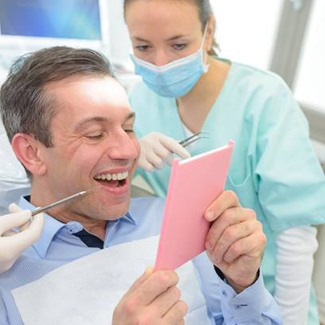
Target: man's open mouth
112 180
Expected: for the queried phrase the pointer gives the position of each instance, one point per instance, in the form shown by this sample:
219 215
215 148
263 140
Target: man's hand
12 244
235 241
152 299
157 148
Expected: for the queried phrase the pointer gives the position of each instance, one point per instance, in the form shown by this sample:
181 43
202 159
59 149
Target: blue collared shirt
59 245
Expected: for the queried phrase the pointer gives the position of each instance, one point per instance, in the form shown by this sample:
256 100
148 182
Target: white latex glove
12 244
157 148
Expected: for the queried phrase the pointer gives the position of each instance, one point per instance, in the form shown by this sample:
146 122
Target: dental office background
284 36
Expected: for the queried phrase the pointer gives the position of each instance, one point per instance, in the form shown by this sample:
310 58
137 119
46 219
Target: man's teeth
114 177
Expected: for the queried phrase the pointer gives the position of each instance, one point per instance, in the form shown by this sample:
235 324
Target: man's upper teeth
114 177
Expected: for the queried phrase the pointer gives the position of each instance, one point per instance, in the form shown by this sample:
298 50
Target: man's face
93 145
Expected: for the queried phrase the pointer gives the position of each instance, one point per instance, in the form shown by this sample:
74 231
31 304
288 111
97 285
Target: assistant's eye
179 46
142 48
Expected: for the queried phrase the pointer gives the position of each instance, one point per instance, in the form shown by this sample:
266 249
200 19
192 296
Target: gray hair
25 106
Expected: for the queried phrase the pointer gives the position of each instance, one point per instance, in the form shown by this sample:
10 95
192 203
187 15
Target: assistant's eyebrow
140 39
176 37
173 38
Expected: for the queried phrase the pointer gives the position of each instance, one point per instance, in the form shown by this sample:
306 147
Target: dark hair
205 12
24 105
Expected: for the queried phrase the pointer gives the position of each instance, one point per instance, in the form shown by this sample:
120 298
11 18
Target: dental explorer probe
67 199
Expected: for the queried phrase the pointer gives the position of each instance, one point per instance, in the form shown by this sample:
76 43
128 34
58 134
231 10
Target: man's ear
28 151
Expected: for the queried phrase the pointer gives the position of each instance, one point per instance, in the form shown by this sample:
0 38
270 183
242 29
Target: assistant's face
93 144
162 31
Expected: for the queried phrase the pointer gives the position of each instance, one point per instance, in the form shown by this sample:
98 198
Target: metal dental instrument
193 138
67 199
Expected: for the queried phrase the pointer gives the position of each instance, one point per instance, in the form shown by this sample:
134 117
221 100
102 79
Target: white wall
310 80
246 30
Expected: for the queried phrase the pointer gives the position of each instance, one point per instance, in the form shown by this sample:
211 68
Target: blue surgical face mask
176 78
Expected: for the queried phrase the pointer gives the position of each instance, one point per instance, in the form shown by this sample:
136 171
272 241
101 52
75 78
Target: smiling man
92 143
71 126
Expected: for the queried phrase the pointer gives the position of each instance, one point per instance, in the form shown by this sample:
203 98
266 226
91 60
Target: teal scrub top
273 170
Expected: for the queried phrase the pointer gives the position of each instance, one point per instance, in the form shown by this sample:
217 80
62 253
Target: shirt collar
52 226
128 218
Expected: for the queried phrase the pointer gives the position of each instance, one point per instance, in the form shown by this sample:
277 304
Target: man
71 126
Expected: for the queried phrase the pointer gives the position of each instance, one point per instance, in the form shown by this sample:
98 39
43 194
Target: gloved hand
157 148
12 244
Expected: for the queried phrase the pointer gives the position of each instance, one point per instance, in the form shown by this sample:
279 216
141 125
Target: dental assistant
187 88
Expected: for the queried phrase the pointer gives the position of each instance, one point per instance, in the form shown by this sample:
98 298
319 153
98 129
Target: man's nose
123 147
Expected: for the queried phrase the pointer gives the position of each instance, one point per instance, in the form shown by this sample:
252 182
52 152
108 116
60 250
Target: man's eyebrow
89 121
99 119
130 116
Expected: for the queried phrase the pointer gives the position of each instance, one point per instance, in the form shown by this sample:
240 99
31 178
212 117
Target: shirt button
74 227
224 293
237 306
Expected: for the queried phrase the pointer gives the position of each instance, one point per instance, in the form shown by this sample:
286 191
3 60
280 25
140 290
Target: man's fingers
165 301
148 271
227 218
152 297
154 285
250 246
226 200
176 314
17 219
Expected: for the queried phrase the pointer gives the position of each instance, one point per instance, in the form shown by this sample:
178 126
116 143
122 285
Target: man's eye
129 130
95 136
